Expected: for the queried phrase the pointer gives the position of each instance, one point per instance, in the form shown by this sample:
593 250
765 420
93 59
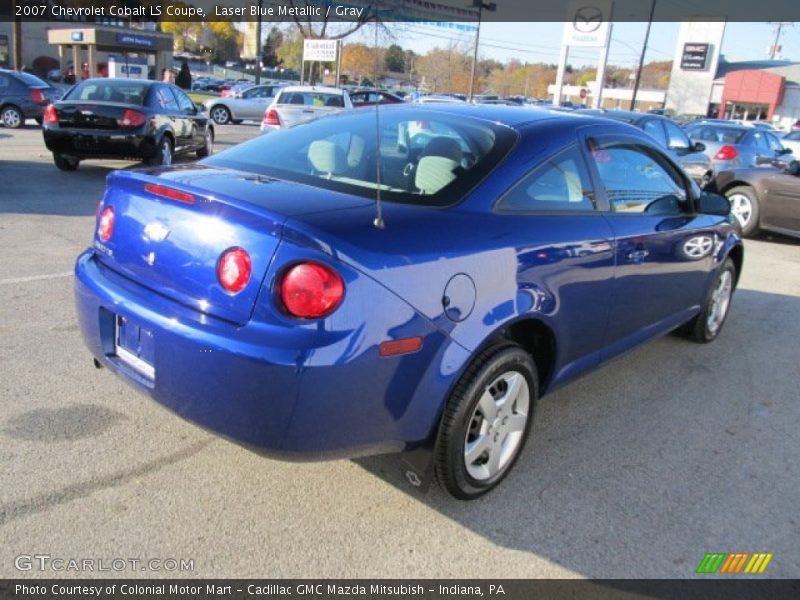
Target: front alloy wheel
220 115
705 327
486 421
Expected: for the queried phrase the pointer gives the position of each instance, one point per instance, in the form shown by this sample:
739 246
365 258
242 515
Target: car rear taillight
726 153
37 96
132 118
105 224
271 118
227 93
50 114
311 290
234 269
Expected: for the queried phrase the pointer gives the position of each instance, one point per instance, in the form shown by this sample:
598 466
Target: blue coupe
409 281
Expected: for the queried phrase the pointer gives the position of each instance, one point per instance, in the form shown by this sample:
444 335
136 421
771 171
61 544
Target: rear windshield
112 90
311 99
426 158
29 79
717 133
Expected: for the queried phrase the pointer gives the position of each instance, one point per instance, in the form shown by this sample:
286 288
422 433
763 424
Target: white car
792 140
297 104
247 102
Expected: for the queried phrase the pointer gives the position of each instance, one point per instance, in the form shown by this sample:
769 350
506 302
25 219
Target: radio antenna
378 222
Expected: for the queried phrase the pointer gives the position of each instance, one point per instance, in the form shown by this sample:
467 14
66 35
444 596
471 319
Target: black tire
208 147
751 227
165 153
220 114
459 420
699 329
65 163
12 117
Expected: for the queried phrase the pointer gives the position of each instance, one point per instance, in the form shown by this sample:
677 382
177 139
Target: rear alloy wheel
208 146
220 115
65 163
12 117
163 157
706 326
486 421
744 206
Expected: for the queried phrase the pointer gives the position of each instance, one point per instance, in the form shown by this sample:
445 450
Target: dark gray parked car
763 197
24 96
688 154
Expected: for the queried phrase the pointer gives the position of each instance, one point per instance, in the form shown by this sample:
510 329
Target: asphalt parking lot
637 470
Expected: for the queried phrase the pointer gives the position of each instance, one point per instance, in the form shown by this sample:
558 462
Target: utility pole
641 58
481 6
775 48
16 43
259 54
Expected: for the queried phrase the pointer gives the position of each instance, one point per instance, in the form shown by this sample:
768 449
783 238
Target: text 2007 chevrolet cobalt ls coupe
256 294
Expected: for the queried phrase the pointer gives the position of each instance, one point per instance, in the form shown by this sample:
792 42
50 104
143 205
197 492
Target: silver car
246 103
301 103
737 146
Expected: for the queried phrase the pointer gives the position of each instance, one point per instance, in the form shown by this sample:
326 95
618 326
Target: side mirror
699 147
713 204
785 151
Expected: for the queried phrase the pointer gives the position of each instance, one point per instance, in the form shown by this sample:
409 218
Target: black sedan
125 118
763 198
23 96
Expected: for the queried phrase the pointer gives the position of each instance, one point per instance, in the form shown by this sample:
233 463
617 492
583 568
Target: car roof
313 88
629 116
511 116
731 126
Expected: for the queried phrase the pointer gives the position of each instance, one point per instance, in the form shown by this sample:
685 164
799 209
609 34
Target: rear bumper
253 386
88 143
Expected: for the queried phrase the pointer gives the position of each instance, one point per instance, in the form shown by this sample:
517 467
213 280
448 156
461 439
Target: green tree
395 59
290 52
269 53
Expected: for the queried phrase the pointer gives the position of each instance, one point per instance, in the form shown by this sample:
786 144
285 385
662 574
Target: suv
24 96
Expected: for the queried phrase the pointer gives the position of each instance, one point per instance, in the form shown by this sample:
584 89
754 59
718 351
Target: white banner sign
588 23
320 50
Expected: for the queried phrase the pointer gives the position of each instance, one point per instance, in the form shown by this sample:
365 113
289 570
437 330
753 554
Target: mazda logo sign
588 19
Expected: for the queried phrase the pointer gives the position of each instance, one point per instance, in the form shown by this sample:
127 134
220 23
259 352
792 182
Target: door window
560 184
773 142
637 181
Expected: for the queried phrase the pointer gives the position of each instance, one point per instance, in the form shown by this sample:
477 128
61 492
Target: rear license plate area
134 346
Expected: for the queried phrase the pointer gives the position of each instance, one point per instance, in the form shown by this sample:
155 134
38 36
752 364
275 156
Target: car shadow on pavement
672 451
40 188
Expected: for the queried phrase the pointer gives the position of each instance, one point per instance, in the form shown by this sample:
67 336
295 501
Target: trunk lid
173 246
91 114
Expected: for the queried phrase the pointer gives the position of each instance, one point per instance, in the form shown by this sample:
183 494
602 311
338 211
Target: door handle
637 256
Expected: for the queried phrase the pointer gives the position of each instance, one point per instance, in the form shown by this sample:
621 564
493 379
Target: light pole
258 44
481 6
641 58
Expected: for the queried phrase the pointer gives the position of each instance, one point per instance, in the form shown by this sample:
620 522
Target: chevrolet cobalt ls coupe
264 294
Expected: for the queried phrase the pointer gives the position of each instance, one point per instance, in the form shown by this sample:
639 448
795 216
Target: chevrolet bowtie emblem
156 231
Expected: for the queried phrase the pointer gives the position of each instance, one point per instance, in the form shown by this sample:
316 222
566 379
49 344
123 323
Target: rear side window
315 99
161 98
29 79
636 182
560 184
